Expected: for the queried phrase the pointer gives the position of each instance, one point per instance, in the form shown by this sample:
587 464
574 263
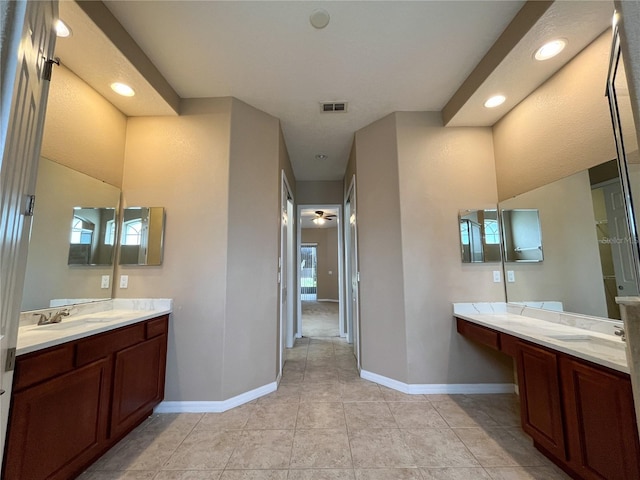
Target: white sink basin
589 340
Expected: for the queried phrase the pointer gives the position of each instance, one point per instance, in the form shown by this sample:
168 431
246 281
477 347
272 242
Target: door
352 273
285 276
619 239
30 33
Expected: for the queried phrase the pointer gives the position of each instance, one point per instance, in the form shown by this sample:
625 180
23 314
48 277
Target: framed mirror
92 236
479 236
522 235
49 277
142 236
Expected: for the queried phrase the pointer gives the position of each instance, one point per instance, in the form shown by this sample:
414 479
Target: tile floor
325 423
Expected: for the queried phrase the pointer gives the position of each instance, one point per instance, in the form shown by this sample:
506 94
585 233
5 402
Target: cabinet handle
1 391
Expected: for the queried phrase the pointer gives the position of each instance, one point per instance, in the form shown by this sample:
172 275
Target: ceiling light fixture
321 156
318 221
62 29
122 89
495 101
319 18
550 49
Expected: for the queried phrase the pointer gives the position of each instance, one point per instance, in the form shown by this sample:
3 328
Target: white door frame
341 297
285 271
353 298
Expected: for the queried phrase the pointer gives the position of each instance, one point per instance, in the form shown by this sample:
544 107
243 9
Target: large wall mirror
49 275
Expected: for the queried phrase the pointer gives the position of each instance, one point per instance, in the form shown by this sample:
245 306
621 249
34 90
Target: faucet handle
621 333
43 318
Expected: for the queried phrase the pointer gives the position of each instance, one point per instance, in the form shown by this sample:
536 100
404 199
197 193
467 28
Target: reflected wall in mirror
587 248
48 276
522 236
92 237
479 236
141 237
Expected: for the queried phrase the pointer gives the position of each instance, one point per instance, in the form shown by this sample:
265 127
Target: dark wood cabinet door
138 383
541 408
603 443
58 425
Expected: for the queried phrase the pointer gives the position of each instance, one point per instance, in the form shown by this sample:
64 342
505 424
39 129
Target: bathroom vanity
575 392
81 385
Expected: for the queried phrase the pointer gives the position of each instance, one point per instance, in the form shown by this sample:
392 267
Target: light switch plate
124 281
104 283
511 276
496 276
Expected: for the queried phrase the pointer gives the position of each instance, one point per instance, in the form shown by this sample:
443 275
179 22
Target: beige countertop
585 343
89 320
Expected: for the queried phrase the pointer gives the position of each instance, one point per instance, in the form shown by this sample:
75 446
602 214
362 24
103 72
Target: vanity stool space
73 401
580 414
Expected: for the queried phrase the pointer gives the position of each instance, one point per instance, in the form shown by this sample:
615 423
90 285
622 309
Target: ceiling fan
321 217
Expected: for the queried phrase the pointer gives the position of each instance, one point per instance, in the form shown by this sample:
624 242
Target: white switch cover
124 281
511 276
105 281
496 276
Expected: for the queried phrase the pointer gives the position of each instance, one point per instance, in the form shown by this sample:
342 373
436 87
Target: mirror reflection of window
480 236
81 231
491 232
132 232
110 233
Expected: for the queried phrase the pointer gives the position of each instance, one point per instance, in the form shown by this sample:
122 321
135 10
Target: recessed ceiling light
62 29
321 156
550 49
495 101
122 89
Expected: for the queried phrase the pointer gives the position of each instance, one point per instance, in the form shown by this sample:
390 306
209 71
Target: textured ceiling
380 56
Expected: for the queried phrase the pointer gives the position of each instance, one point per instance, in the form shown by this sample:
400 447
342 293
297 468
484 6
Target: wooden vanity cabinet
72 402
579 414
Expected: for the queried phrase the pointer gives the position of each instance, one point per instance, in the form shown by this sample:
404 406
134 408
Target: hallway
325 423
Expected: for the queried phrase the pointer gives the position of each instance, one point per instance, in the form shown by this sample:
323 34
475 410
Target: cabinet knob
1 391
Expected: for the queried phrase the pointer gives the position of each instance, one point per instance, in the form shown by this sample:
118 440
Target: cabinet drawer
41 365
157 326
100 346
478 333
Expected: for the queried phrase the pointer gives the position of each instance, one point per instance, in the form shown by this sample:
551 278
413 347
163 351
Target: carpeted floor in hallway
320 319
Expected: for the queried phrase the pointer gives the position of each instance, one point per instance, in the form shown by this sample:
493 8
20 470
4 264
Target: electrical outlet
105 281
511 276
496 276
124 281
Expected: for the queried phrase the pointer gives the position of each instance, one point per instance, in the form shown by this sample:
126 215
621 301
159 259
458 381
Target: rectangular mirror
142 236
48 275
92 237
522 236
479 236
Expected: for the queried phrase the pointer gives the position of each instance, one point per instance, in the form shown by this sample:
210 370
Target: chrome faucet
46 319
621 333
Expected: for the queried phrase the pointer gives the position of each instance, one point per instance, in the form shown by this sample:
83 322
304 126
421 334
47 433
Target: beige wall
252 251
382 315
182 164
442 170
327 241
319 193
82 130
561 128
571 271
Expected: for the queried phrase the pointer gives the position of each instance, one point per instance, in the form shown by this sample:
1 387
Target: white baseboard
328 300
216 406
433 388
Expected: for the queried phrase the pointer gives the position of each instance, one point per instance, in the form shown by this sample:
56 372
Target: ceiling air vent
327 107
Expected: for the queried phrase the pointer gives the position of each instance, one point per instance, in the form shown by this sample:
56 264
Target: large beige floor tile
527 473
204 450
438 447
416 415
361 392
497 447
188 475
321 474
182 422
275 416
391 395
321 448
321 392
119 475
233 419
321 415
262 449
254 475
379 447
455 473
462 414
369 415
388 474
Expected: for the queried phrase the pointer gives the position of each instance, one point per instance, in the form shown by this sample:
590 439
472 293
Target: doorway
352 275
320 289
